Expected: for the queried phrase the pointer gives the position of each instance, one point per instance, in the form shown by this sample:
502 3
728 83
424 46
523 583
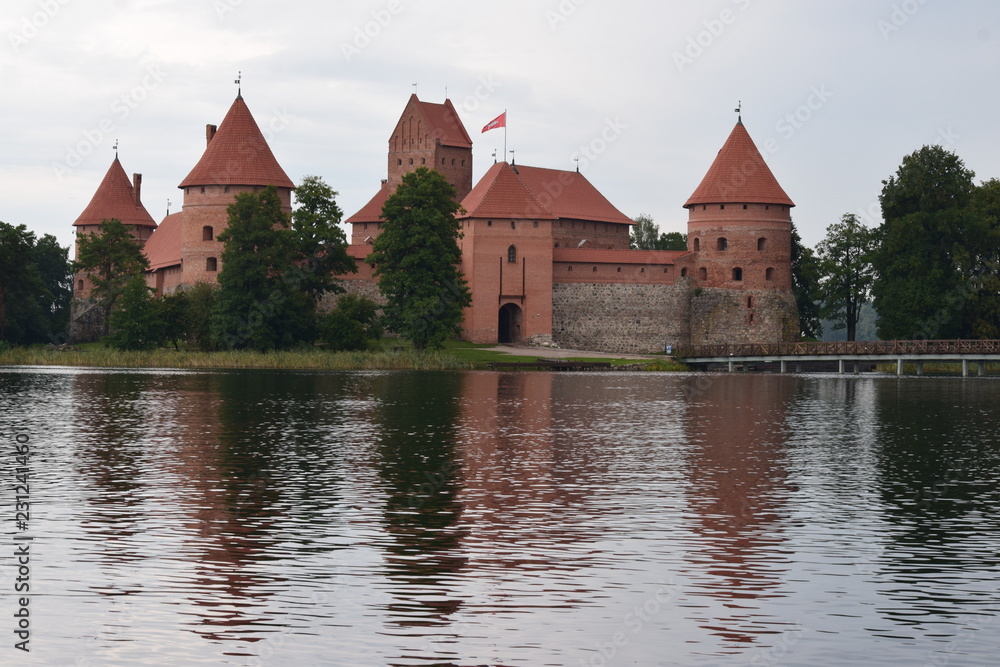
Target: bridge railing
887 348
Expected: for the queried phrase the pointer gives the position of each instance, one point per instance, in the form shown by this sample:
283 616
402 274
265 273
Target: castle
545 254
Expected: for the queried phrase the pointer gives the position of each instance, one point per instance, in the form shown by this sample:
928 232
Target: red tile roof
115 198
238 154
163 248
739 175
442 122
534 192
372 211
601 256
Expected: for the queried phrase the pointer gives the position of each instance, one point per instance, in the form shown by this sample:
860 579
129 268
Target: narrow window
684 273
703 273
411 160
744 207
211 264
619 269
749 302
761 244
595 269
423 160
512 225
570 269
697 245
722 207
722 244
207 233
203 189
489 223
79 286
769 274
226 189
399 162
737 274
512 254
536 223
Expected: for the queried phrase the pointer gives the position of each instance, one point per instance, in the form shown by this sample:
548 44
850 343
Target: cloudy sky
834 93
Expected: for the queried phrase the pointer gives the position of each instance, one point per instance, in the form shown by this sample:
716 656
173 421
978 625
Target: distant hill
866 327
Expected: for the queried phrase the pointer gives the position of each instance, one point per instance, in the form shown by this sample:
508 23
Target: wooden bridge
752 356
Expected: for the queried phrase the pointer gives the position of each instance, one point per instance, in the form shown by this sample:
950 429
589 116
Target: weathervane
494 156
239 79
116 149
168 207
414 88
512 156
739 111
577 164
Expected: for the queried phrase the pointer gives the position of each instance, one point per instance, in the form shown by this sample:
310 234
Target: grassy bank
395 355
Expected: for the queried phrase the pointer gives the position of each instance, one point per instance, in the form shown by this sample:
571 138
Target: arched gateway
509 324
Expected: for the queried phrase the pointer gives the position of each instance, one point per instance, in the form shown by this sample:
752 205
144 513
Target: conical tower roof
739 175
115 198
238 154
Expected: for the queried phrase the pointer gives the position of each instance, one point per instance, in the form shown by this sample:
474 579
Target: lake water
309 518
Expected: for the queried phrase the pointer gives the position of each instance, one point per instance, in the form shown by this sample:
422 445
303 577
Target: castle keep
545 254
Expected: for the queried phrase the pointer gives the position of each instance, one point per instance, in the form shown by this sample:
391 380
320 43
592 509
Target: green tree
255 306
319 241
982 316
56 275
805 286
198 315
672 241
846 272
16 267
416 258
646 235
352 325
172 310
135 321
924 264
110 258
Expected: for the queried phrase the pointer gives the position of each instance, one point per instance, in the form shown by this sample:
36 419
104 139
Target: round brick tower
739 231
236 159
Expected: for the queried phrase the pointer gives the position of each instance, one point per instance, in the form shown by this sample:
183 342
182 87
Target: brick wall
751 316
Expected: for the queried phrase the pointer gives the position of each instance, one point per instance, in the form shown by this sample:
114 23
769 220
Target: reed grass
102 357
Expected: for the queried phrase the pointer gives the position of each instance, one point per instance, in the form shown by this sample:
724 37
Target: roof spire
512 156
239 84
739 111
116 149
414 88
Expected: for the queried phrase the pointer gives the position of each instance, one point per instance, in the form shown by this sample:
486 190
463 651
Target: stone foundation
742 316
620 317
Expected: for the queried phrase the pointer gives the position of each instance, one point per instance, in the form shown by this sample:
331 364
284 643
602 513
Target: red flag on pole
499 121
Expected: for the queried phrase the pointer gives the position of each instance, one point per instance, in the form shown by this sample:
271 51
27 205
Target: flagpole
505 135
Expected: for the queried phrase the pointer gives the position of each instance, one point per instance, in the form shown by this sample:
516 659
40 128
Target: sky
640 95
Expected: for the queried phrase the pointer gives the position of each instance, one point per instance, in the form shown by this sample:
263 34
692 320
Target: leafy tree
255 306
16 244
672 241
982 317
924 263
319 241
110 257
846 270
56 275
805 285
416 260
135 321
645 235
352 325
198 315
172 310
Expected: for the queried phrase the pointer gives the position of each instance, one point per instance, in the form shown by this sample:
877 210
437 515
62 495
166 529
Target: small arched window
512 254
722 244
761 244
79 285
737 274
411 159
211 264
703 273
684 273
207 233
697 245
769 274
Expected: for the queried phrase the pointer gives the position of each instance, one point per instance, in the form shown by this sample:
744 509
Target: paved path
558 353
